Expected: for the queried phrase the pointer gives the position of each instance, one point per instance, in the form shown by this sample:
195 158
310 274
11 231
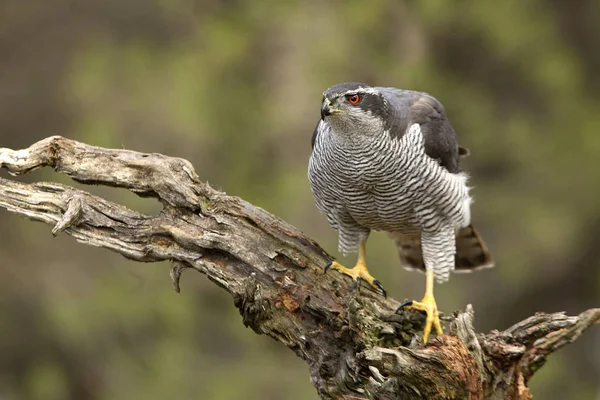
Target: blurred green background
235 87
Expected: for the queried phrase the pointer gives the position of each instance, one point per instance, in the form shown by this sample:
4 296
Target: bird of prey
387 159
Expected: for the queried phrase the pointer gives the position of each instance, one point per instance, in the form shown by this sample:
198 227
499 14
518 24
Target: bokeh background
235 87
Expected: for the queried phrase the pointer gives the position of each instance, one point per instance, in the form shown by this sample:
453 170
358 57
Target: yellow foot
428 305
358 273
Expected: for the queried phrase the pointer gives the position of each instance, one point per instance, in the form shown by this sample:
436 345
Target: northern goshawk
387 159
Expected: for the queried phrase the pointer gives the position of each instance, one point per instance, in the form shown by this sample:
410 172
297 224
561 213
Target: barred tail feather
471 251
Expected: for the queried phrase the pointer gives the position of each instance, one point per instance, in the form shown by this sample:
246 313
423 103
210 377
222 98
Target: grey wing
411 107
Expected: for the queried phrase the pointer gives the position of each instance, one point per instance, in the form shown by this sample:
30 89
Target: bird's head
354 108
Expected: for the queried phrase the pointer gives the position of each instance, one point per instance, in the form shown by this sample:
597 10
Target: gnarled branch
355 344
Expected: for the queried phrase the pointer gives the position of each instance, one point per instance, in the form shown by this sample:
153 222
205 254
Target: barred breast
384 183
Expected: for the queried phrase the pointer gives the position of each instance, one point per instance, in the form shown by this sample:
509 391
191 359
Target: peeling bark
355 344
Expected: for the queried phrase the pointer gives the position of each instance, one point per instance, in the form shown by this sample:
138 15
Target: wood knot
254 307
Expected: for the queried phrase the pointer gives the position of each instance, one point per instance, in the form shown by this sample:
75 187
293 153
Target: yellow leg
428 305
360 271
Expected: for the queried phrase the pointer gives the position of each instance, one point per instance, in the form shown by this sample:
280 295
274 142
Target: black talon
358 281
405 304
328 266
380 286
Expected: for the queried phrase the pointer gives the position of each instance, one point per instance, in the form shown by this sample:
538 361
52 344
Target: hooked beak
326 109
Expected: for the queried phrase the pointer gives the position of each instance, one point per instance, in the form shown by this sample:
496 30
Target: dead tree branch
356 346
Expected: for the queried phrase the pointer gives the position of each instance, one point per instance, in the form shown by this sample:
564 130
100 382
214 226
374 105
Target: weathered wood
355 344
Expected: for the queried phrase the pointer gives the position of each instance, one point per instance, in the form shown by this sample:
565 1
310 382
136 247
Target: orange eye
353 99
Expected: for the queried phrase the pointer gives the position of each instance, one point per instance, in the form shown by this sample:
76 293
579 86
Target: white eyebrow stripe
368 90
